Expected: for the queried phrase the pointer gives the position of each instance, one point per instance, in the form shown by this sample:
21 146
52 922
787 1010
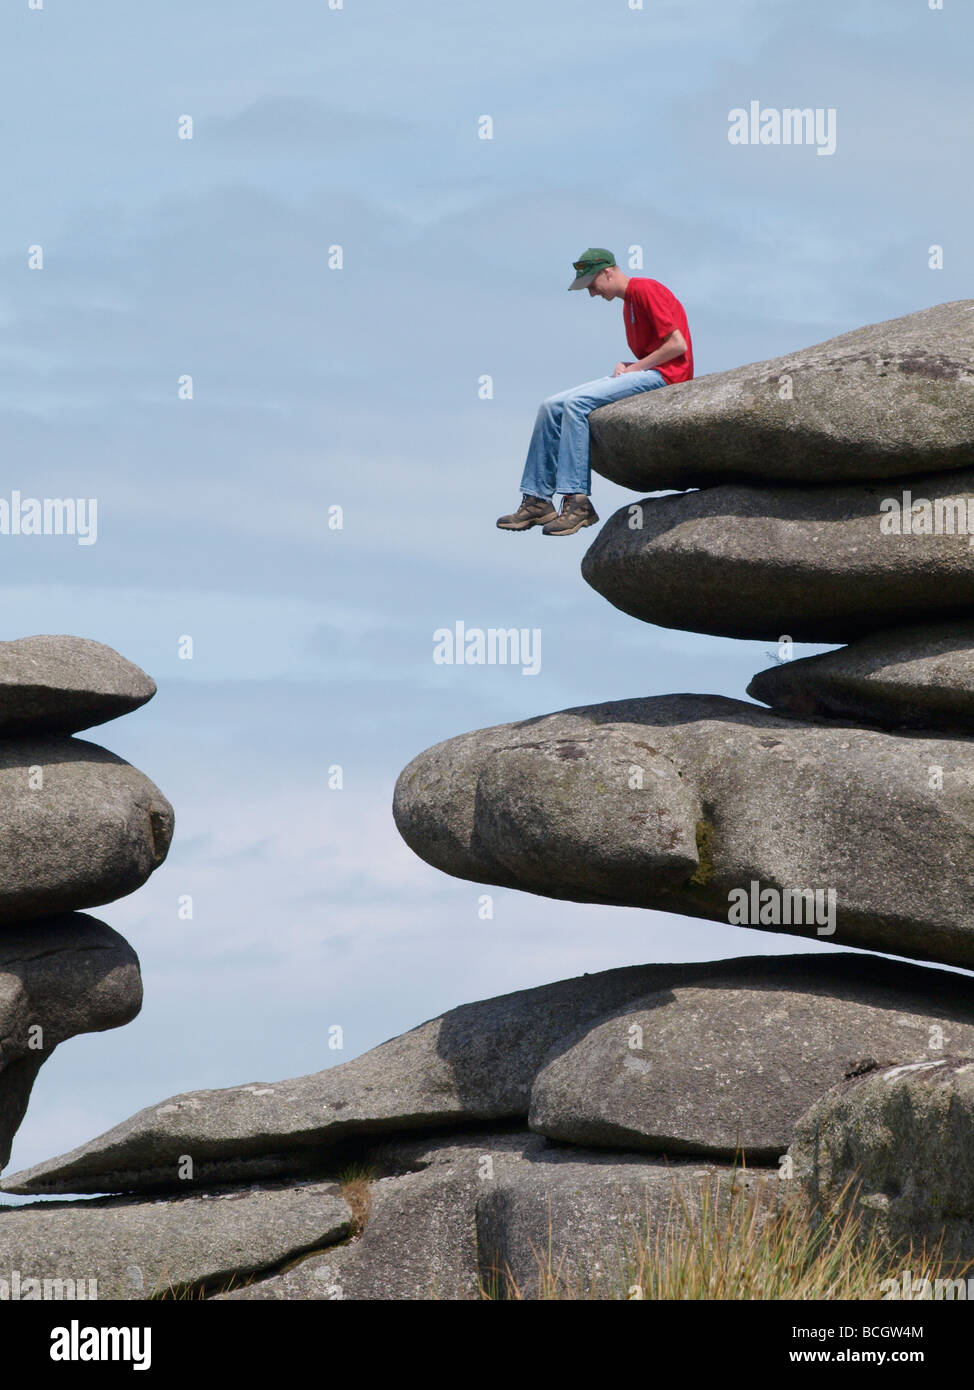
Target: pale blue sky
359 387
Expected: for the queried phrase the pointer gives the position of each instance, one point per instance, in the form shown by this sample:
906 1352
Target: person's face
599 285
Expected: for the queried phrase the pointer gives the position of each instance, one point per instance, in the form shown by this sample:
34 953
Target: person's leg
572 473
538 478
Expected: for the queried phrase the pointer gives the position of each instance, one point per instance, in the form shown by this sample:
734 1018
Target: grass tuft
732 1240
355 1183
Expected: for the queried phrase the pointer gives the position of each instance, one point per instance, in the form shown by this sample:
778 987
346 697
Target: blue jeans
558 457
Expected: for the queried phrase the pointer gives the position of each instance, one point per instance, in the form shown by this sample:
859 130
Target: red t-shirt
652 312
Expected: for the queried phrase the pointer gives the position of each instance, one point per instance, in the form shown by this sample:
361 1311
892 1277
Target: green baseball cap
589 264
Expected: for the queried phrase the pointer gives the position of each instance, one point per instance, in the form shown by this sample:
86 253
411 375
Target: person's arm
673 345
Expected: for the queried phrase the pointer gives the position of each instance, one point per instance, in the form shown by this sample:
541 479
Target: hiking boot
533 511
576 512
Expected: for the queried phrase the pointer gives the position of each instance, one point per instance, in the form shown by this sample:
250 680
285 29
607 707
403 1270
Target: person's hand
621 368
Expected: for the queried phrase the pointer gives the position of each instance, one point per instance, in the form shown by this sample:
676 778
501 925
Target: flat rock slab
58 685
904 1137
888 399
904 678
501 1215
874 828
474 1064
81 827
728 1062
528 1052
65 976
134 1249
420 1237
812 563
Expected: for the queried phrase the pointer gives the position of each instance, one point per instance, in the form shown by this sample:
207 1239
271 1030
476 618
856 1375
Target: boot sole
590 521
526 525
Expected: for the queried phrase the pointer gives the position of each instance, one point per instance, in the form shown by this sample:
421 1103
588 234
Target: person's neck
623 286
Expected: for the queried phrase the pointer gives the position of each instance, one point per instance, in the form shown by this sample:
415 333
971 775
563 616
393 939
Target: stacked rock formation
858 779
447 1162
546 1131
834 503
80 827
